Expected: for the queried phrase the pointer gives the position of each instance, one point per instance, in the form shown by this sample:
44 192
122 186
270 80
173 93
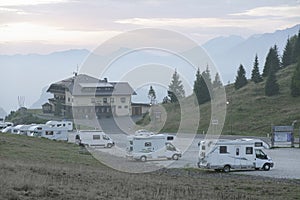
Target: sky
44 26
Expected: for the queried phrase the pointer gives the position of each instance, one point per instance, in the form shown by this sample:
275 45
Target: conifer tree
255 76
271 87
217 82
175 88
295 84
296 50
202 86
272 61
240 80
287 57
151 95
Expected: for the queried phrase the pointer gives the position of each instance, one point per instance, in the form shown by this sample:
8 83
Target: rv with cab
46 131
145 145
94 138
234 154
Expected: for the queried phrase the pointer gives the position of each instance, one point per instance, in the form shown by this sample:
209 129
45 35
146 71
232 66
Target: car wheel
266 167
143 158
226 169
175 157
109 145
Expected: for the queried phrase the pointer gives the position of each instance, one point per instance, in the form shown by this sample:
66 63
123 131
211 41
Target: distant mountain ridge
229 52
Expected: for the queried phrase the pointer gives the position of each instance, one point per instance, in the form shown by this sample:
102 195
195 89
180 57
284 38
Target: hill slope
249 112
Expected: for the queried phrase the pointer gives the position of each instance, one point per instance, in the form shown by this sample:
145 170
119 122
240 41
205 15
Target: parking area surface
287 160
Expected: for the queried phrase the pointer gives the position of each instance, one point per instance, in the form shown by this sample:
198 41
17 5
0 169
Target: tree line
272 64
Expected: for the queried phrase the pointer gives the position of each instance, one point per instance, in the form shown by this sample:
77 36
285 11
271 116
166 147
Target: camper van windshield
260 154
105 137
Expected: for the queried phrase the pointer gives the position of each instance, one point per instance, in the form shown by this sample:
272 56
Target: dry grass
53 176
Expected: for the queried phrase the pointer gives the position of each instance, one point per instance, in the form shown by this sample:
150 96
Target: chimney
105 80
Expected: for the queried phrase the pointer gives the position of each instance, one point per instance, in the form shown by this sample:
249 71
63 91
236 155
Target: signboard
282 135
283 129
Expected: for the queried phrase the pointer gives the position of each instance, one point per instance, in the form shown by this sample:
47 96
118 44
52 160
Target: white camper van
68 125
94 138
146 145
52 133
234 154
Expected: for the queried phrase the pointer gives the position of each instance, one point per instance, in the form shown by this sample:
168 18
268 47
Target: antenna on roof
76 72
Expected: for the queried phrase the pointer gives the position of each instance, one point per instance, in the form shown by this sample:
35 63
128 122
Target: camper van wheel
109 145
226 169
266 167
143 158
175 157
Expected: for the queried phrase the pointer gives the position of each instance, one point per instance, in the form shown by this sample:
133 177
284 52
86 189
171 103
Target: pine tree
201 86
287 57
295 83
217 82
176 88
240 80
272 61
255 76
296 50
271 87
151 95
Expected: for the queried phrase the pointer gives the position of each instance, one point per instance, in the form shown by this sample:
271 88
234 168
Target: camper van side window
49 133
258 144
249 150
223 149
148 144
96 137
170 138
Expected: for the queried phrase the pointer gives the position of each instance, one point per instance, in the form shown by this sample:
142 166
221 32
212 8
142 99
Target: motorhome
94 138
146 145
4 124
16 129
234 154
46 131
68 125
24 129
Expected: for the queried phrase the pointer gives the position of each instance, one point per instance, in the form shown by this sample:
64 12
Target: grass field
35 168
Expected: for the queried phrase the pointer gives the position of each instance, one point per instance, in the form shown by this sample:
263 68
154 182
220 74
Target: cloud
277 11
206 22
18 32
4 3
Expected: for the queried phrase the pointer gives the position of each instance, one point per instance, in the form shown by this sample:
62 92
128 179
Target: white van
234 154
94 138
145 145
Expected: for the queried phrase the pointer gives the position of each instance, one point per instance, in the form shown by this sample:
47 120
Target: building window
120 107
112 100
223 149
123 99
249 150
104 100
125 106
69 99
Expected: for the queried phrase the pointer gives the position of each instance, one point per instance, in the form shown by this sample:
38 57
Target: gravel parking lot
287 160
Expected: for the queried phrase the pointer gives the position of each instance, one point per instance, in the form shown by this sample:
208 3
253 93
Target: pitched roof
82 85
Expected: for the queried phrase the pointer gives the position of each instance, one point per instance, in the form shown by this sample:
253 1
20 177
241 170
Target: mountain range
30 75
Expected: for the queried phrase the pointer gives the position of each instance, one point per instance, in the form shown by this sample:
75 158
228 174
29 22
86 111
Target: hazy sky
43 26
